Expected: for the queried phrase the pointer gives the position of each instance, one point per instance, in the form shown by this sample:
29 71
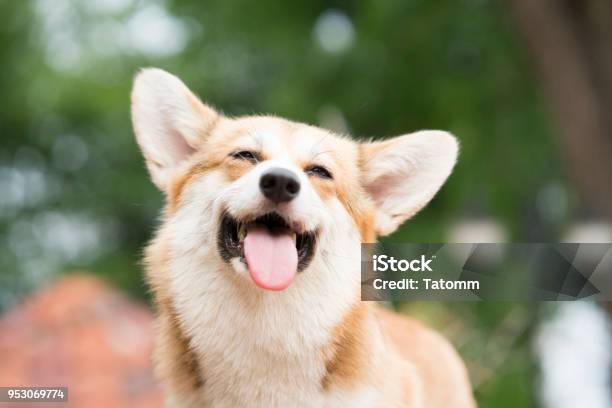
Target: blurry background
525 85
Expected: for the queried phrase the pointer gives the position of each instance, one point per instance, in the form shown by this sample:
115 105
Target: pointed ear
403 174
170 122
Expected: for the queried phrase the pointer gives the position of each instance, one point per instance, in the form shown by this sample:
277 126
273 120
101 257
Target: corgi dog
255 268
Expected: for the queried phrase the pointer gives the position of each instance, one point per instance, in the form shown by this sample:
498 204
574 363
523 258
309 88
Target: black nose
279 185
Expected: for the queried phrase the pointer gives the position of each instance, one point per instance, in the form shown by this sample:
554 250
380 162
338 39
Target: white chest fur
258 348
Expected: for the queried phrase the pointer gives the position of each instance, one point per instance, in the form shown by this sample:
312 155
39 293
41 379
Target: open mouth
271 250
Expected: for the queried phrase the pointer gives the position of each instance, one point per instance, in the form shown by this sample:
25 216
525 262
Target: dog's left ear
403 174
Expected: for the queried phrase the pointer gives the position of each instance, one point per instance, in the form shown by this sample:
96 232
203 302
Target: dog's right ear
170 122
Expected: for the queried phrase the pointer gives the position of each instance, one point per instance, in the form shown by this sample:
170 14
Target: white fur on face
243 199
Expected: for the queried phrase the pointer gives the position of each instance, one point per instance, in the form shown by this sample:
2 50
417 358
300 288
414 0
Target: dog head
267 200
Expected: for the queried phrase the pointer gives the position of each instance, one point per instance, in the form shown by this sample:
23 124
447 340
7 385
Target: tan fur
347 363
174 358
438 364
309 345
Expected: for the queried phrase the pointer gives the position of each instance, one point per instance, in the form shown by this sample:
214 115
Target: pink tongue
271 258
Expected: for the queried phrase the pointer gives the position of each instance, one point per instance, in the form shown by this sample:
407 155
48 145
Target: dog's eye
246 155
318 171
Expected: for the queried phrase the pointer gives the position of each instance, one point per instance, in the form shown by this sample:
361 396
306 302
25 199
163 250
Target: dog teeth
242 232
294 236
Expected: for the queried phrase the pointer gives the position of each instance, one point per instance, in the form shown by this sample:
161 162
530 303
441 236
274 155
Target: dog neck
239 343
244 343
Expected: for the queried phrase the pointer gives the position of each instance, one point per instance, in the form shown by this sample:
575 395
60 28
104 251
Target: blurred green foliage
72 176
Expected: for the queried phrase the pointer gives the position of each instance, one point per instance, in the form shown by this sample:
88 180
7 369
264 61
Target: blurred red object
81 334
